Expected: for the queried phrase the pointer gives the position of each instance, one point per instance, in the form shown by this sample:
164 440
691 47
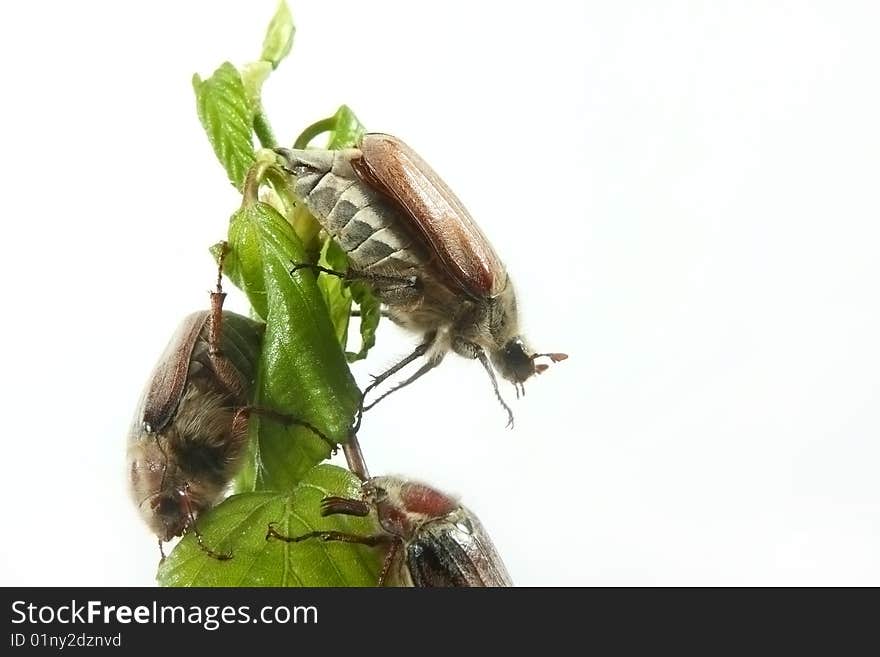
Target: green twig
306 136
264 130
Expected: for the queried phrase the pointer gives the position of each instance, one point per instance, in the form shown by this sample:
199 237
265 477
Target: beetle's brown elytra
410 237
430 538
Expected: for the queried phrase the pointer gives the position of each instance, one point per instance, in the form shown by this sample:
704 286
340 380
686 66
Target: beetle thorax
490 323
502 317
403 506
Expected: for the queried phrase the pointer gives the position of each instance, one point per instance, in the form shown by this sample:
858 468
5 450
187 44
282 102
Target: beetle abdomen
365 224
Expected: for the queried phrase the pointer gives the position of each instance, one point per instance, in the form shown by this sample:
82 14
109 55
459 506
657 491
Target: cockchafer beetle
412 240
431 539
190 431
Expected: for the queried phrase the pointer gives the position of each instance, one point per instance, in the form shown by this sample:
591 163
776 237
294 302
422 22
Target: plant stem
250 192
324 125
264 130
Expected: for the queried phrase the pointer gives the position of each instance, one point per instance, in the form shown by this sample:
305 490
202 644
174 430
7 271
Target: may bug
431 539
190 431
409 237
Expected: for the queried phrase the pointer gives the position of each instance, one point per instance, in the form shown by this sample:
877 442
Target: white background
685 195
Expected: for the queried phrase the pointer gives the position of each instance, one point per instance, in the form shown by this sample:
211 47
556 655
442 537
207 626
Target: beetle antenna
485 361
555 357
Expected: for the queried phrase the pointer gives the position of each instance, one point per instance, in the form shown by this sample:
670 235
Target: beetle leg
466 349
221 365
418 352
393 290
372 540
334 505
424 369
471 350
378 281
318 269
356 312
388 562
281 418
219 556
224 369
215 324
187 507
354 457
481 355
215 327
386 284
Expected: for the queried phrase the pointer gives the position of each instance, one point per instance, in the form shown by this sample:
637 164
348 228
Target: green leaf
238 526
302 370
338 295
279 36
370 308
253 76
247 479
334 289
243 265
227 116
347 131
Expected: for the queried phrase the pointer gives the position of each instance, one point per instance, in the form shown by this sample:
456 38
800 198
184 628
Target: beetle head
152 487
513 361
168 500
166 515
516 364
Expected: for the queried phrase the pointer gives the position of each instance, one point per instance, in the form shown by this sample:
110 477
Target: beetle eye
375 494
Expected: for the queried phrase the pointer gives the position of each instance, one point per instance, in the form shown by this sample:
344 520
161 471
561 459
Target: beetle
190 431
409 237
431 539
